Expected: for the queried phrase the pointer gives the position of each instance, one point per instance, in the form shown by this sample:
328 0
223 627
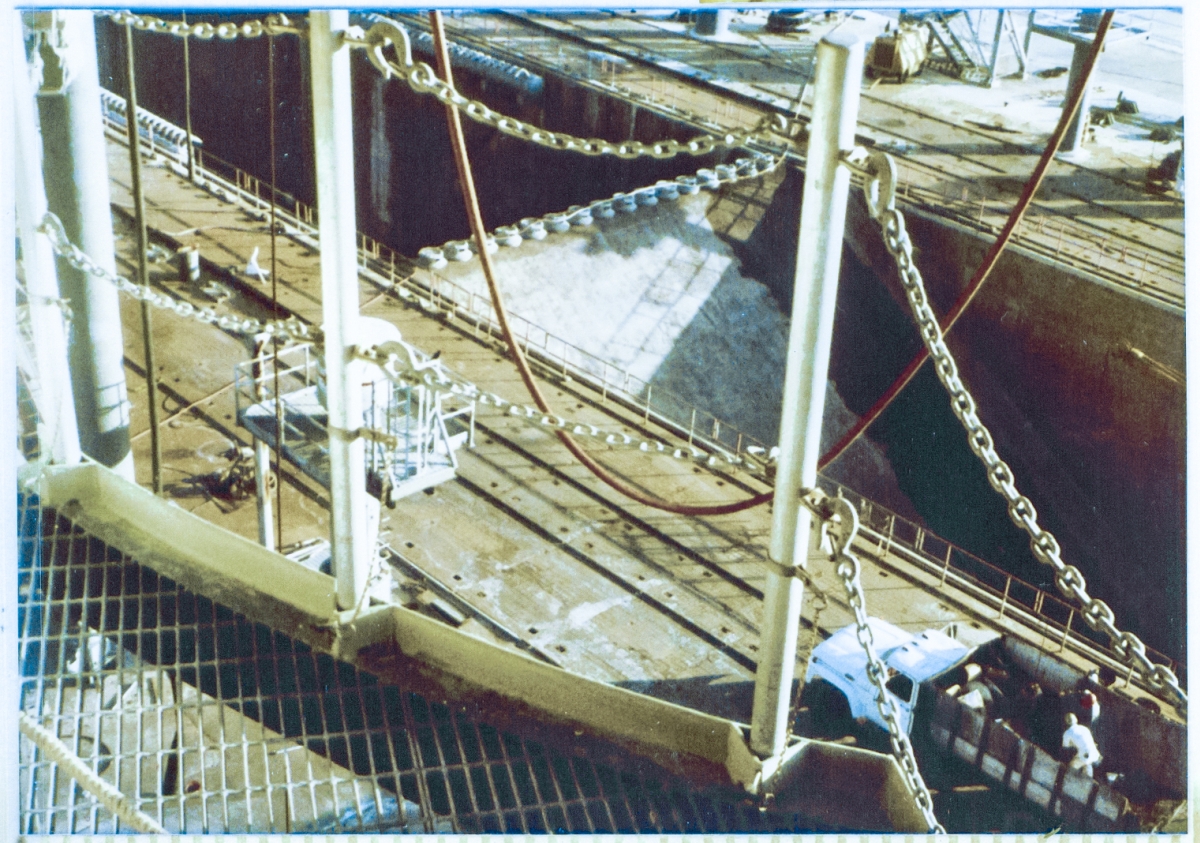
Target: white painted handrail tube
334 147
58 433
75 170
819 254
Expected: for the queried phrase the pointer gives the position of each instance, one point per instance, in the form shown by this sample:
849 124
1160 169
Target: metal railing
295 371
1046 234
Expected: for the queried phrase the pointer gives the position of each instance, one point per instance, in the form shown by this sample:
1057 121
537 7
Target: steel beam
1072 141
822 222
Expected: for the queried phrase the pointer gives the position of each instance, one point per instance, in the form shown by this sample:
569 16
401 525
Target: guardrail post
1004 601
822 222
334 147
946 566
1066 631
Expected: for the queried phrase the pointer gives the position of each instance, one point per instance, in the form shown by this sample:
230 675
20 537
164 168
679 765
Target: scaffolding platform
411 431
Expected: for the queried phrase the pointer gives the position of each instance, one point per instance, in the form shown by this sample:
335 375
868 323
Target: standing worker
1079 738
1089 708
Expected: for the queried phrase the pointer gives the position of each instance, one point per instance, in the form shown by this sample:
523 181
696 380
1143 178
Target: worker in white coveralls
1079 738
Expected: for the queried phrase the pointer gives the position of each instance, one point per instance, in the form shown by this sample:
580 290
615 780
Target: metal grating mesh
215 723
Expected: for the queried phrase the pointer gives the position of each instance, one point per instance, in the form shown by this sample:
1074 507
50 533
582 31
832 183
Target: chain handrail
839 525
407 365
535 228
423 79
880 192
289 330
406 368
225 30
1122 644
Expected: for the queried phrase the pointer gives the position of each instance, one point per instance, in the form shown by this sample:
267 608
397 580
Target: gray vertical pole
187 106
143 276
819 255
996 47
262 451
1073 139
76 173
58 435
332 121
263 493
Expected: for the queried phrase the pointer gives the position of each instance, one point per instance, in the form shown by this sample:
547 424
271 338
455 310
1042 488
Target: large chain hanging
423 79
288 330
880 171
839 525
225 30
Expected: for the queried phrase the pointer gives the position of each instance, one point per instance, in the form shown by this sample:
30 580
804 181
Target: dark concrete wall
1095 437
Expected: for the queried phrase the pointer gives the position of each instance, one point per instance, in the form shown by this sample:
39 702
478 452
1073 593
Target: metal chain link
288 330
839 524
881 202
403 368
759 164
408 365
424 80
225 30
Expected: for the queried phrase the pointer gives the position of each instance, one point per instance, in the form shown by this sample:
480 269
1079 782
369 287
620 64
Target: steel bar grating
211 722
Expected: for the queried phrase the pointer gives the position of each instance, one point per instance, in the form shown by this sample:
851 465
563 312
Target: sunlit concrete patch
623 288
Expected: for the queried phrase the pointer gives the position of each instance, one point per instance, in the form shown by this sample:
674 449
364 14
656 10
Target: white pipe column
818 260
75 165
58 434
262 455
263 491
332 121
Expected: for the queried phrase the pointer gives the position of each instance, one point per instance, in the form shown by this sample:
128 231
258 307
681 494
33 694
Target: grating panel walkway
211 722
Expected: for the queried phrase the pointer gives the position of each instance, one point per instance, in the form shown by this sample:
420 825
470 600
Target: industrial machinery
898 53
